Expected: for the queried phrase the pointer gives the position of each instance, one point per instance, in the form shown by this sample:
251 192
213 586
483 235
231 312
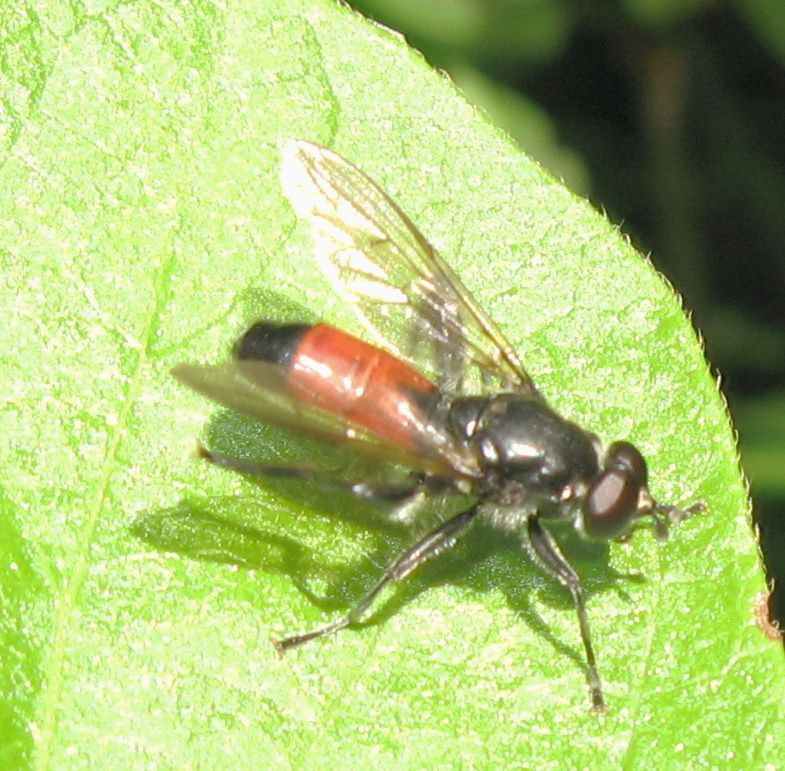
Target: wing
404 293
259 390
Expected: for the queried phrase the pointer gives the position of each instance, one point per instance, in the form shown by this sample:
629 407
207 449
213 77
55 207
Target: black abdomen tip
267 341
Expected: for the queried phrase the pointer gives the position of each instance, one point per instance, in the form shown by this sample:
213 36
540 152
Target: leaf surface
144 225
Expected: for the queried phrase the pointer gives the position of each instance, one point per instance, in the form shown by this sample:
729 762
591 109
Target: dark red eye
625 456
611 504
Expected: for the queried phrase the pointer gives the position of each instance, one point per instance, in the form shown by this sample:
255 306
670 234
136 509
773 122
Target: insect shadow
231 530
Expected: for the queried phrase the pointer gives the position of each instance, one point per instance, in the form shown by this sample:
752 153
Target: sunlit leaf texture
142 224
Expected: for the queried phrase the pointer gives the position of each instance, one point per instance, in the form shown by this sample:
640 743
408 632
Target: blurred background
670 116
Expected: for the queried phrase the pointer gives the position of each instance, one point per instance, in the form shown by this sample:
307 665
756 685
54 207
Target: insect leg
548 555
443 537
400 494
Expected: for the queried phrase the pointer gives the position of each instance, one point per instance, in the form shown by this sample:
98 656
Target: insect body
440 392
341 374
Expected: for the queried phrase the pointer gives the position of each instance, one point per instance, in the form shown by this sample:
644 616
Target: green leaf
143 225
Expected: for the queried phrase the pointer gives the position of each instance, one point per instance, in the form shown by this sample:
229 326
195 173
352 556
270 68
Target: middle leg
443 537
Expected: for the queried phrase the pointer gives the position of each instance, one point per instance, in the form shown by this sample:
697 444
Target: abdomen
345 375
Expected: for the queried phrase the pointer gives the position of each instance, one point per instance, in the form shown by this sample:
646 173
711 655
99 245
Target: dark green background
669 115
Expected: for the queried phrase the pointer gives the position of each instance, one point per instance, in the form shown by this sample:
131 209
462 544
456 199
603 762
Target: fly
439 391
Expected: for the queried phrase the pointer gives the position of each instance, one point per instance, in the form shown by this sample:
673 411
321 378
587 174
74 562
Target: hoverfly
439 392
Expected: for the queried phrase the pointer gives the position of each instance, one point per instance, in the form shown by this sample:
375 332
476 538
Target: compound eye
626 457
611 504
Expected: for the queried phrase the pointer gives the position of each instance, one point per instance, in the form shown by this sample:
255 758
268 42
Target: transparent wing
259 390
404 293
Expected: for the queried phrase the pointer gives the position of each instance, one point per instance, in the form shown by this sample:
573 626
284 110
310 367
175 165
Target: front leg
549 557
